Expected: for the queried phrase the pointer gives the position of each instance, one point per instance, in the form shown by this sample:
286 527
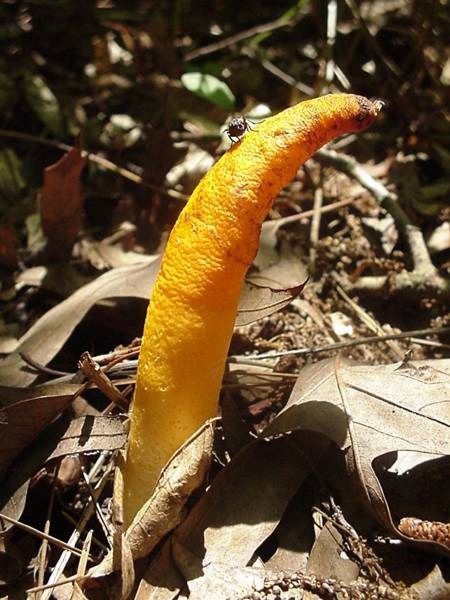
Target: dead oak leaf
61 203
25 412
369 411
47 336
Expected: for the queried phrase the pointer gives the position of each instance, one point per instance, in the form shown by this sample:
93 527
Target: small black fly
237 126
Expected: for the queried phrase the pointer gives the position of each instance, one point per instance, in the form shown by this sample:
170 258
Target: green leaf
210 88
44 104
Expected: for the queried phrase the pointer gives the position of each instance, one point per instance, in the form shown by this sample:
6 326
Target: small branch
416 283
370 322
42 368
44 546
347 164
95 158
95 374
42 535
275 224
329 48
100 517
315 224
81 524
285 77
50 586
237 37
350 343
424 278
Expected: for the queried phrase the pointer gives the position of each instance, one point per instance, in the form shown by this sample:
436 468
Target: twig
50 586
349 343
117 355
96 541
45 536
41 368
82 565
424 277
95 374
265 377
315 224
95 158
370 322
370 38
279 73
87 514
237 37
347 164
94 499
44 545
275 224
329 48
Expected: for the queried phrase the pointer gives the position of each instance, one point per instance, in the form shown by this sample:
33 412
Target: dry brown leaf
258 301
279 267
325 559
61 203
11 561
243 506
294 535
12 503
161 580
432 587
48 335
165 509
223 581
25 413
369 411
9 246
90 434
63 437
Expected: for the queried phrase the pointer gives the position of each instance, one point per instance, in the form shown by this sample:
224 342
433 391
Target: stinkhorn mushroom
195 297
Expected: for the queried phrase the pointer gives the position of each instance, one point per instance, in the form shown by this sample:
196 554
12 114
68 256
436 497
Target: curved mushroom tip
368 111
378 105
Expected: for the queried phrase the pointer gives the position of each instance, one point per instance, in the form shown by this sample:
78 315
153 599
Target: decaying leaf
295 534
90 434
64 436
432 587
326 561
106 254
243 506
258 301
47 336
369 411
9 245
278 267
12 501
11 561
25 412
224 580
161 580
61 203
166 508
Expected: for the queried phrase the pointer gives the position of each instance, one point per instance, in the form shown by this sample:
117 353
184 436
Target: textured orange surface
191 315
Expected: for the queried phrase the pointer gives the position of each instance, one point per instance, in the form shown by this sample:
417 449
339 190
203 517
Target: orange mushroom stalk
194 302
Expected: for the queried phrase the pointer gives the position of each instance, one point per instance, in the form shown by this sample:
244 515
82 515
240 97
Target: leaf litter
345 441
61 204
363 410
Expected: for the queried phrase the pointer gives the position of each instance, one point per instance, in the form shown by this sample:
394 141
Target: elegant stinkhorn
195 297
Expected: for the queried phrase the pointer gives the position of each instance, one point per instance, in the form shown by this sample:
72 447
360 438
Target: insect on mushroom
237 126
